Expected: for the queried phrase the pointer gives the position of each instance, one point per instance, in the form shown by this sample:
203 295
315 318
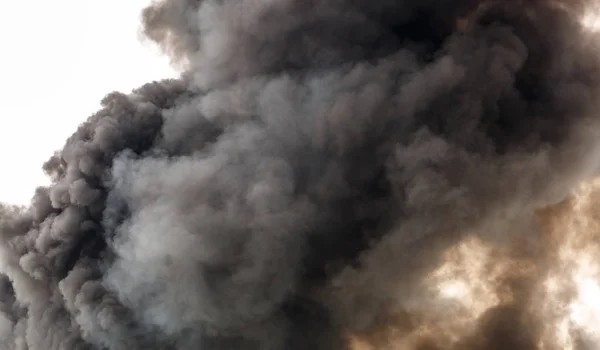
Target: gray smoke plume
308 169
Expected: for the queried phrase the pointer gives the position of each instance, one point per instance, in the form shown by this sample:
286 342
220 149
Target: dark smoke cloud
308 169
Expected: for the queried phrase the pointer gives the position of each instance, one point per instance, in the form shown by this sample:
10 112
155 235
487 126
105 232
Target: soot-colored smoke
306 171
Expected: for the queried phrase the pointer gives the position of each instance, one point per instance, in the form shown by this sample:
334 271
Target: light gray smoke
305 172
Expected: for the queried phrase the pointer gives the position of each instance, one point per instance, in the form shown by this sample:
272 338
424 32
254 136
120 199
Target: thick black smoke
305 172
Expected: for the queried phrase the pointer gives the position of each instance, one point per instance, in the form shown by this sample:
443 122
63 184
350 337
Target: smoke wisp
339 174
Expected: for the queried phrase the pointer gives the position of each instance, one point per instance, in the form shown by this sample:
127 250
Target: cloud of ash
325 175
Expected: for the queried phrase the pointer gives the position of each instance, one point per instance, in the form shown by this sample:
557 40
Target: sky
59 58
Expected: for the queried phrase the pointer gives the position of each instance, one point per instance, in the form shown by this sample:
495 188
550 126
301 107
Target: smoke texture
316 174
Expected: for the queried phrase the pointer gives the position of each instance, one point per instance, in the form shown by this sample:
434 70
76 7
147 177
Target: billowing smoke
317 168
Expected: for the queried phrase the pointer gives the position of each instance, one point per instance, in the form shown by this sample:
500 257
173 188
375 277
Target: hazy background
53 51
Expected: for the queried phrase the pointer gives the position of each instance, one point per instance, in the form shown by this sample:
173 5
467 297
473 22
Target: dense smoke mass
323 175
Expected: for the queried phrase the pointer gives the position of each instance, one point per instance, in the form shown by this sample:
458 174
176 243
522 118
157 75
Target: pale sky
59 58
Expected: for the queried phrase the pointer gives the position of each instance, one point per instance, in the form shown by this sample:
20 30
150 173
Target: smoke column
319 168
